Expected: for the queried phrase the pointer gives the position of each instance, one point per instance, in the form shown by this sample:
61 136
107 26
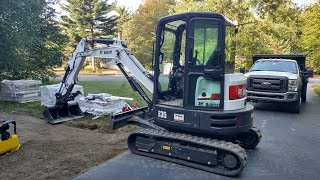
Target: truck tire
304 93
296 106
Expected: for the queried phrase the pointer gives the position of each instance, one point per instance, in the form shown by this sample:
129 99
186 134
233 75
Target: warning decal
178 117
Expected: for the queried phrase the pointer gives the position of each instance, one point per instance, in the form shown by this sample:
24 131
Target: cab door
204 80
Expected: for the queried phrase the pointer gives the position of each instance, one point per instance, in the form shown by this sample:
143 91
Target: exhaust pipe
58 114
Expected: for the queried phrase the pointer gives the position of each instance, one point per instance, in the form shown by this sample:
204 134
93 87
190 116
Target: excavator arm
114 50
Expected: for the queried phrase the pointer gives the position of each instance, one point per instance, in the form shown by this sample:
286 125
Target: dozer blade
58 114
123 119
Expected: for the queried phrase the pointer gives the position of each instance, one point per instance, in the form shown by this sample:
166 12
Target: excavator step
212 155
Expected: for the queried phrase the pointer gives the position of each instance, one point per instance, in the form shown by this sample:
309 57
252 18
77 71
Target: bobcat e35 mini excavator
198 115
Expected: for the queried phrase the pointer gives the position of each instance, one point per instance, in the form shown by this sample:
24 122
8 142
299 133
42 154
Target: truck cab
278 78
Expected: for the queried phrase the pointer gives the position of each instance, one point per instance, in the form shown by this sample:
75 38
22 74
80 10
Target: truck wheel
304 93
296 106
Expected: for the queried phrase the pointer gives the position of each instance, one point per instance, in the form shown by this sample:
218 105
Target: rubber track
229 147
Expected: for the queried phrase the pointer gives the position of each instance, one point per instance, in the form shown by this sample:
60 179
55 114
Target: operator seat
213 59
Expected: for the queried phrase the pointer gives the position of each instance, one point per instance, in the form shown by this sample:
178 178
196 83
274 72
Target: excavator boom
114 50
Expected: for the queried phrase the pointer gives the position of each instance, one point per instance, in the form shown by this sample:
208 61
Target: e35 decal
162 114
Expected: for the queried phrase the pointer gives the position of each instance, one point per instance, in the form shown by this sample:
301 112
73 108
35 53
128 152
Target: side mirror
309 72
242 70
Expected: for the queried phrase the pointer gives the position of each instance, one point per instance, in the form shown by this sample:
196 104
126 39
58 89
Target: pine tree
124 16
88 18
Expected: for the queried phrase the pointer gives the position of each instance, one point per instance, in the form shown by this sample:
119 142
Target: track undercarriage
224 156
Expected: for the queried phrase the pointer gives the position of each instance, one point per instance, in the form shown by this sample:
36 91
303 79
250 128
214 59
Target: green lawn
114 88
316 88
32 108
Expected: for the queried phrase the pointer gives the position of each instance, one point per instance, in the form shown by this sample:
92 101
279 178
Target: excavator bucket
58 114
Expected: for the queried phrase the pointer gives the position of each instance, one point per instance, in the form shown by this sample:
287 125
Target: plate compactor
8 142
197 115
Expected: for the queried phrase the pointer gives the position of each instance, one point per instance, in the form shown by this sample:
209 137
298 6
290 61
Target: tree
31 43
248 40
265 26
139 32
124 16
311 35
88 18
284 25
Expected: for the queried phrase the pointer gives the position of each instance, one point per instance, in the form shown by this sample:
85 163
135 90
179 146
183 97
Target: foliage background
34 38
266 26
31 42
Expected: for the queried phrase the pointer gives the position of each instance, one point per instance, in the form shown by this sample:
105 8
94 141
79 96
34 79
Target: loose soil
60 151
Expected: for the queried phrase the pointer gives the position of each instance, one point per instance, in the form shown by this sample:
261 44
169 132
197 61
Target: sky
303 2
130 4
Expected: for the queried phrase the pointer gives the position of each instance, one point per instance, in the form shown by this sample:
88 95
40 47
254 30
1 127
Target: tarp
102 104
48 94
20 90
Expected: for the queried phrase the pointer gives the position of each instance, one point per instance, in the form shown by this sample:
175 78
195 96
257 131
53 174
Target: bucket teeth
58 114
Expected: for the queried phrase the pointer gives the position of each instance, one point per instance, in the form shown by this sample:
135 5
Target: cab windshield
275 65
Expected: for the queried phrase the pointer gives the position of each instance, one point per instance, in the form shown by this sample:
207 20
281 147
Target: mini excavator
198 115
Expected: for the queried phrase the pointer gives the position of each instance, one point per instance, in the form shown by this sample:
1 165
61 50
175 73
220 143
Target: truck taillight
237 92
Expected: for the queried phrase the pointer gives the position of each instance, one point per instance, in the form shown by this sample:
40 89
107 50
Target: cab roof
193 14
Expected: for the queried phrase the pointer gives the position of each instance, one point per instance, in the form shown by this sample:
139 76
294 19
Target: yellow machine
8 143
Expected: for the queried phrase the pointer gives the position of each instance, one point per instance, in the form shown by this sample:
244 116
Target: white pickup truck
278 78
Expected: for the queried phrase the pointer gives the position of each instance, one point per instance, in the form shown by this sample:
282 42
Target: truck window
274 65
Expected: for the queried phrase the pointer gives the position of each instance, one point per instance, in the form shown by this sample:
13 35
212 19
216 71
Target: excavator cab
196 90
194 60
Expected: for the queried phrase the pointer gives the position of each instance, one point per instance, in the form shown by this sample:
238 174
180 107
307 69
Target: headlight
293 85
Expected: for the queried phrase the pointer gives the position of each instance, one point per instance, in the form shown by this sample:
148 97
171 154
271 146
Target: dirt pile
57 151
